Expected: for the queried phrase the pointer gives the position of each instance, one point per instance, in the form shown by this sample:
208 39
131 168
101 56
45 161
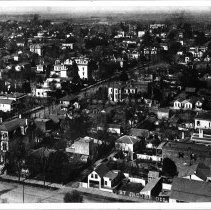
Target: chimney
20 116
201 135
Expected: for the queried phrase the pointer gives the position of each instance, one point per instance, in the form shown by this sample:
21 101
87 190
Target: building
7 105
67 45
203 120
104 179
152 188
185 152
185 190
127 144
202 137
42 92
198 172
83 69
82 146
163 113
7 131
36 48
115 128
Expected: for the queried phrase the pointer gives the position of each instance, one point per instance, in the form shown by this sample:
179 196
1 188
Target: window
95 176
106 183
209 124
198 123
92 176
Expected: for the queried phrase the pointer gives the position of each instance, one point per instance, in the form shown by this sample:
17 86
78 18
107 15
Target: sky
102 6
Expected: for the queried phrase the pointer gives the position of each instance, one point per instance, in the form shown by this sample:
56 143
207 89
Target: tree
169 167
73 197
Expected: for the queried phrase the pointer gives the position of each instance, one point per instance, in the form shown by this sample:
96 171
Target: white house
83 67
203 120
114 94
103 179
186 104
7 105
42 92
127 144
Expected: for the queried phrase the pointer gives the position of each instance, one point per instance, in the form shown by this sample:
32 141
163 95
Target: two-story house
103 178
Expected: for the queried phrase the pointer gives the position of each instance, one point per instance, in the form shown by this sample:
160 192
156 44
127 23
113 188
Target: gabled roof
203 171
6 101
188 170
150 185
102 170
12 124
127 140
190 190
203 116
111 175
139 132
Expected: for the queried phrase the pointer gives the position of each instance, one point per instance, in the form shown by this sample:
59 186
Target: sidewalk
107 195
31 181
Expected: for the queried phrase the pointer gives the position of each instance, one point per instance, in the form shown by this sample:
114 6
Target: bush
73 197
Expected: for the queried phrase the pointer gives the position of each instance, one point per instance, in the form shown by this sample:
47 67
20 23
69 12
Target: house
152 188
140 133
178 103
141 33
127 144
7 105
40 68
203 120
153 175
104 179
36 48
7 131
185 190
82 146
42 92
44 124
115 92
83 69
202 137
67 45
163 113
198 172
67 101
115 128
18 97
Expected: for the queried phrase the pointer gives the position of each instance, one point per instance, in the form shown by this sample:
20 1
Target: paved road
13 193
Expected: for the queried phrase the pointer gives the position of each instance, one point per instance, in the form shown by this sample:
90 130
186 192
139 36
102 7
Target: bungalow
104 179
185 190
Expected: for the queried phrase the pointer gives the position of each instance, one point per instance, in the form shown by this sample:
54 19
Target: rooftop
190 190
150 185
127 139
102 170
203 116
12 124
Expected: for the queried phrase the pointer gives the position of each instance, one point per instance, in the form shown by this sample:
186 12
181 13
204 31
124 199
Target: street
13 193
